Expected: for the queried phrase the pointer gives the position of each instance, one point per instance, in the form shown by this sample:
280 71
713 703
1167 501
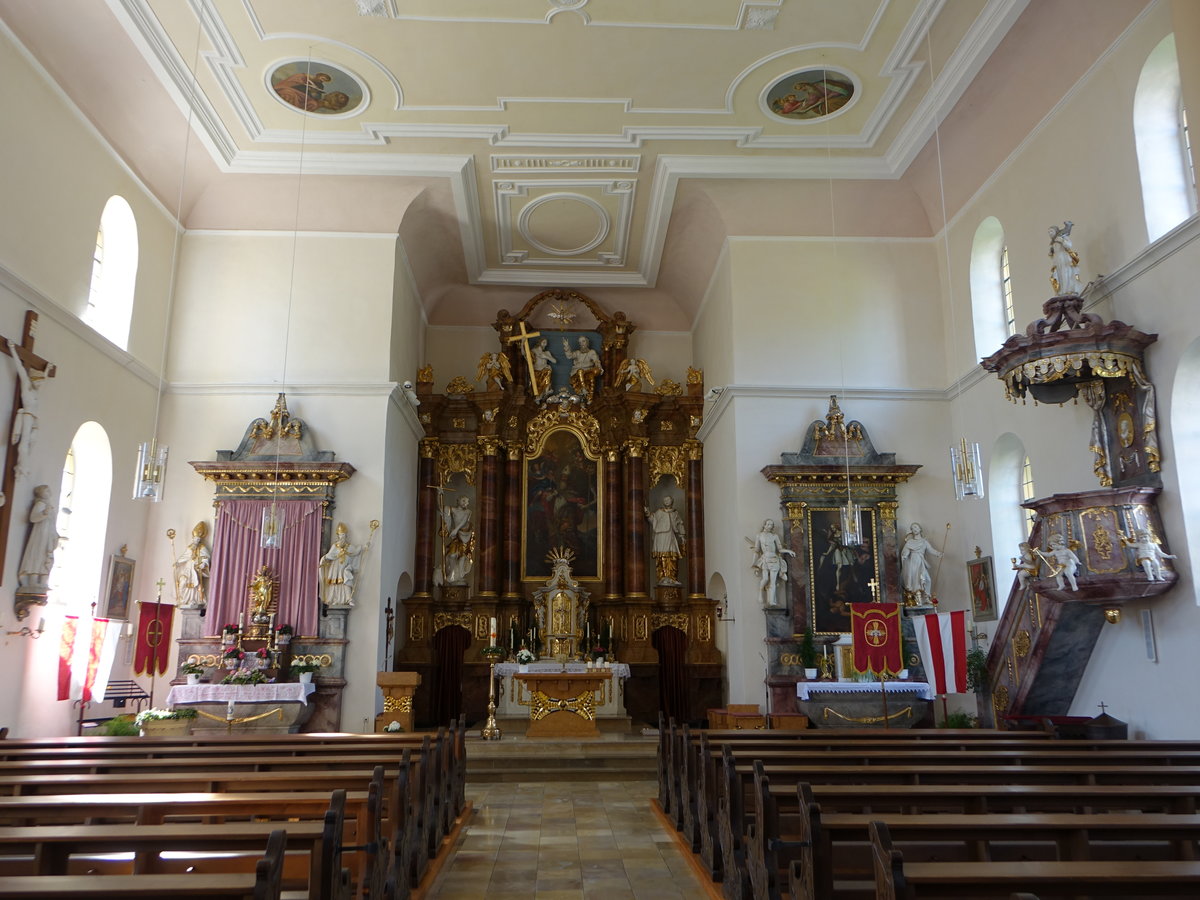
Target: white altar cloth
284 692
920 688
505 669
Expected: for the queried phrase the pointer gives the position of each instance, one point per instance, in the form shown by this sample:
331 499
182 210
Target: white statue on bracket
769 564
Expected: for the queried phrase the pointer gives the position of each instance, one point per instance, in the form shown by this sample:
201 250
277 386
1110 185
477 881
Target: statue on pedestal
38 558
914 567
339 569
1064 268
769 562
585 367
667 540
458 542
191 570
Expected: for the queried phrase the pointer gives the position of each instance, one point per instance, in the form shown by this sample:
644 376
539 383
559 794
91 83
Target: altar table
508 706
860 704
245 700
563 704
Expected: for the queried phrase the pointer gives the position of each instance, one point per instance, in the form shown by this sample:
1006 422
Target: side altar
272 596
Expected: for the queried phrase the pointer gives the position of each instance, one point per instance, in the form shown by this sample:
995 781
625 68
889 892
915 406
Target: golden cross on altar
873 584
525 337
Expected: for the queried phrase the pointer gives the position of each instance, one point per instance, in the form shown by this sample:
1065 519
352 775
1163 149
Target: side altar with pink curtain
273 500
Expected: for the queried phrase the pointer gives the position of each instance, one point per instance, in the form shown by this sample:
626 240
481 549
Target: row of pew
301 817
905 814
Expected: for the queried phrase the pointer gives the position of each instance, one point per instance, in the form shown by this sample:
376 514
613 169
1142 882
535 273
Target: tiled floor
569 840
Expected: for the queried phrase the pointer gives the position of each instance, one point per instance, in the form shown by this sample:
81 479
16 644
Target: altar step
614 756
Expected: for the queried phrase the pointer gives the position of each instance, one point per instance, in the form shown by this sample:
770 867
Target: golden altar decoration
563 704
398 689
560 607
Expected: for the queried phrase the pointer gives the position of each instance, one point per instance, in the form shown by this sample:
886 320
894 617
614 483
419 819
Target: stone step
515 758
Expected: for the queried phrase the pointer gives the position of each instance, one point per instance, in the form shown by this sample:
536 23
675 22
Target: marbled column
798 566
488 580
427 518
511 561
614 511
890 591
694 551
635 519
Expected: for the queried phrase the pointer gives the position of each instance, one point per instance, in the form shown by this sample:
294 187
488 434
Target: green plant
120 726
977 670
959 720
185 712
299 665
192 668
525 656
808 649
245 676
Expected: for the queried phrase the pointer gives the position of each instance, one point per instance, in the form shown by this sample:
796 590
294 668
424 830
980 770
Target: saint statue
38 557
459 542
191 570
914 567
261 595
1064 266
667 540
585 367
769 563
541 374
339 569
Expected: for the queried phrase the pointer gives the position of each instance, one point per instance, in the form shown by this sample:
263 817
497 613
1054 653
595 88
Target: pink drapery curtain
238 554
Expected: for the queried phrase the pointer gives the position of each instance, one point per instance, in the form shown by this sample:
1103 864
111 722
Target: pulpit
563 704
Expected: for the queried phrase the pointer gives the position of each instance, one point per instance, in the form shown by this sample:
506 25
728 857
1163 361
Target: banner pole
883 691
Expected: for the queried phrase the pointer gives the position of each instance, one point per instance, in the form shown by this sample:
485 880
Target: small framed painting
981 580
120 586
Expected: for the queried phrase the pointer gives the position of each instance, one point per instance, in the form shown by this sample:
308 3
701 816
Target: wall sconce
723 608
34 633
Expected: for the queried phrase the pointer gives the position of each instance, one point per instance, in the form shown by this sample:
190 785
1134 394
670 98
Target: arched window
1006 484
83 499
1159 128
990 295
114 273
1010 314
1027 493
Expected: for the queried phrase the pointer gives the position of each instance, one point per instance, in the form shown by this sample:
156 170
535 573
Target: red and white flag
85 657
942 642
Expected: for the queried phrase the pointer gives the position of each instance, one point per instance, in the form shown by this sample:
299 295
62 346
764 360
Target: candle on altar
241 620
229 710
492 632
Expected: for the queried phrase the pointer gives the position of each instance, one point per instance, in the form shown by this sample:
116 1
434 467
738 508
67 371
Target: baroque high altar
563 441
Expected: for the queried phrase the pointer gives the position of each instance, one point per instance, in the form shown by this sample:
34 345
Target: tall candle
492 633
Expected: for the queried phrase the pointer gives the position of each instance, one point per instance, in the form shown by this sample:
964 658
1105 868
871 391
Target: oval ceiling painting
810 94
316 87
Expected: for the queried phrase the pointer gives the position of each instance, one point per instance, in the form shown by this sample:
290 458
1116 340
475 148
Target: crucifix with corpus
31 370
538 359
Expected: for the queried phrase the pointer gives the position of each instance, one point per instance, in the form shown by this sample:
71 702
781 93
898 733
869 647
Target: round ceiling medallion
317 87
563 224
809 94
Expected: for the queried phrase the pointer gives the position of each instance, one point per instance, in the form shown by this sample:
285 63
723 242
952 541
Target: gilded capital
488 443
695 450
636 447
429 448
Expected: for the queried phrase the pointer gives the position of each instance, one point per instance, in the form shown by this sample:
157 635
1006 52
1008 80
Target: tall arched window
1028 492
114 273
1168 189
1010 314
83 499
989 279
1006 488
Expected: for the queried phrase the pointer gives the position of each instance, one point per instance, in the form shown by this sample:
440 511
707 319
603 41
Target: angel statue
633 372
494 369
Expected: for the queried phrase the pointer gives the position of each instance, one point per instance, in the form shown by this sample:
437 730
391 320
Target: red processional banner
151 654
875 629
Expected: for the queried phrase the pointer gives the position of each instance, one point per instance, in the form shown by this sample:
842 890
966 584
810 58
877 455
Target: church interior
373 318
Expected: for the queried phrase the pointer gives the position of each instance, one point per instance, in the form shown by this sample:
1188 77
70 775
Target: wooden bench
814 853
262 884
896 880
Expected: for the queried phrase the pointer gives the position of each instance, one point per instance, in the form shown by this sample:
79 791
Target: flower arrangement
191 668
262 653
299 666
525 656
392 727
230 629
147 715
284 629
598 653
245 676
233 652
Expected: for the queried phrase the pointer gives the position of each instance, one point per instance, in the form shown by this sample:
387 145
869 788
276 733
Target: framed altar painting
120 585
839 573
562 507
981 584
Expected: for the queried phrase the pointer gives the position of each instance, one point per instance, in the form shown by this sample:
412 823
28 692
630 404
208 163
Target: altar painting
562 507
839 574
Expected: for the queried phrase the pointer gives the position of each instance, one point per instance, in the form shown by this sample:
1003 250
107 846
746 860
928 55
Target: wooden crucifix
525 337
22 428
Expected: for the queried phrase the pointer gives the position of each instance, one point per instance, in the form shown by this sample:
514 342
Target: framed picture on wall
120 586
981 579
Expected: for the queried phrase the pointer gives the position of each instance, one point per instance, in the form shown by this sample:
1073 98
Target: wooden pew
896 880
823 847
263 884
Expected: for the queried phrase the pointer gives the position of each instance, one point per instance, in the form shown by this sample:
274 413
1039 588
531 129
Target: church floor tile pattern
565 841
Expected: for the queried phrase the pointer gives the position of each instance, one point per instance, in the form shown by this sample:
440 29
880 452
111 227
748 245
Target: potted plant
229 633
283 635
165 722
233 657
977 670
492 653
193 670
524 658
119 726
598 653
305 669
262 657
808 655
